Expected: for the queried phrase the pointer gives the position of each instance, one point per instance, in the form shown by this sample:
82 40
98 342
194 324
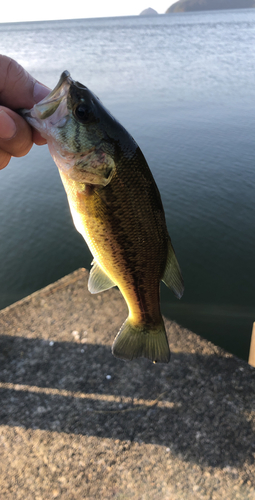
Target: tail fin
135 341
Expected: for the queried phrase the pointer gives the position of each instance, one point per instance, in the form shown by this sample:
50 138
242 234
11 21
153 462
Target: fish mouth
50 103
52 110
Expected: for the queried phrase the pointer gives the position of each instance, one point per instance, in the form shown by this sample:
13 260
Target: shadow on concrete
198 406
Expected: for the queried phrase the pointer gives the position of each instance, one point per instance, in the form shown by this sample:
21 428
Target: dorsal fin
98 279
172 275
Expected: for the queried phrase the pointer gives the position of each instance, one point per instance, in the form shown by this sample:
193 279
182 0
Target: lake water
184 87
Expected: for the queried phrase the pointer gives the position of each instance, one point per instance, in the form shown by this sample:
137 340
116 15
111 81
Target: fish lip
26 113
53 107
63 77
65 80
50 103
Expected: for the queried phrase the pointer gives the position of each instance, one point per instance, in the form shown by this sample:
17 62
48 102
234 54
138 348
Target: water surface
183 85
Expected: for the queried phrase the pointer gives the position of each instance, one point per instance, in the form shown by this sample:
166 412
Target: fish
116 206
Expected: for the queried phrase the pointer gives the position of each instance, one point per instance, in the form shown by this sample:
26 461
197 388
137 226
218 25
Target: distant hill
191 5
149 12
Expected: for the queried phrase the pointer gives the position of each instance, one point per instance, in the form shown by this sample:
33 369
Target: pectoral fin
172 275
98 280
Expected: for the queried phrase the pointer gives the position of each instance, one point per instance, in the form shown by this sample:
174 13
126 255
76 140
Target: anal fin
98 280
172 275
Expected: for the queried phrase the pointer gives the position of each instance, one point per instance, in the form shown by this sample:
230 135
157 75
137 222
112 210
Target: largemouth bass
116 206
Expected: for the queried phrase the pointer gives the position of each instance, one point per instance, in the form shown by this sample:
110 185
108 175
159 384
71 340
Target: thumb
18 89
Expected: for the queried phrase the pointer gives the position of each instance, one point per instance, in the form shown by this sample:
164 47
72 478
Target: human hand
18 89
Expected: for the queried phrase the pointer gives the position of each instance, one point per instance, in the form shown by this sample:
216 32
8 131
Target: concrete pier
76 423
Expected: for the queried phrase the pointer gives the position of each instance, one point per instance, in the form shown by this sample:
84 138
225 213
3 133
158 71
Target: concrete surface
76 423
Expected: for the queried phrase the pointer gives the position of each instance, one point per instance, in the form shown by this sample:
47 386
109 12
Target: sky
30 10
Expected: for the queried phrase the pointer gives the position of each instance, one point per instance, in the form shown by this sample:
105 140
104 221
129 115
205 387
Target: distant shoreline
209 5
44 21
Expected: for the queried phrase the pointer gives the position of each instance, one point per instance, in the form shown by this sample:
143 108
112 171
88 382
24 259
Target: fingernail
7 126
40 91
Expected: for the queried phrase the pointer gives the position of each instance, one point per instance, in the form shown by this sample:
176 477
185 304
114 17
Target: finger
15 133
37 138
4 159
18 89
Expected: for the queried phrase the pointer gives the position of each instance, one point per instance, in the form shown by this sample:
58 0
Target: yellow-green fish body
116 206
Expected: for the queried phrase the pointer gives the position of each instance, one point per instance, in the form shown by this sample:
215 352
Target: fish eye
82 113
